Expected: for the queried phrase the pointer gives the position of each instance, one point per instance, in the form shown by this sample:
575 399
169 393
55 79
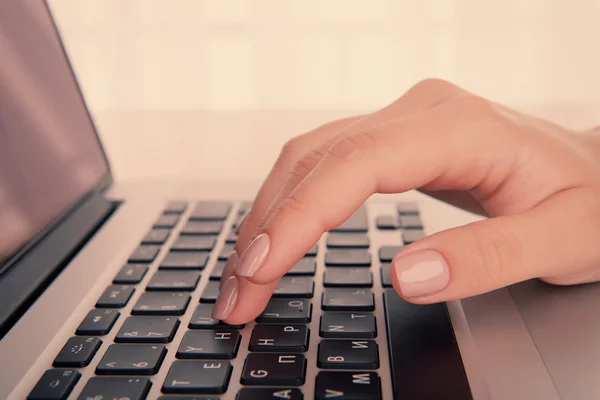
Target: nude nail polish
227 299
421 273
229 267
254 256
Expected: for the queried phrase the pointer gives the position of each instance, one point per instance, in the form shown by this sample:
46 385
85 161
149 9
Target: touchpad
564 322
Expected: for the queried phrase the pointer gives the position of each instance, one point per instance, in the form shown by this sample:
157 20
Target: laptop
106 288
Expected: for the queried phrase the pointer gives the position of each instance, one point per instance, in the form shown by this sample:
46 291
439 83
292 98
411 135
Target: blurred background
165 77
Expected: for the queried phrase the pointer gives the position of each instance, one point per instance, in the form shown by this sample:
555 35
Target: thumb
555 240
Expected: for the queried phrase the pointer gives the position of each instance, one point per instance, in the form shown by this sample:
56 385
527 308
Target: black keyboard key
348 240
386 277
407 208
147 330
202 228
161 303
348 257
356 223
134 359
207 376
387 253
410 222
347 277
226 252
353 385
245 206
294 286
288 311
276 338
412 235
194 243
306 266
213 344
274 369
348 325
237 222
269 393
55 384
210 211
231 238
421 343
202 319
386 222
312 252
77 352
157 236
167 221
115 296
175 207
120 388
217 271
174 280
210 292
98 322
131 274
348 354
185 260
144 254
345 299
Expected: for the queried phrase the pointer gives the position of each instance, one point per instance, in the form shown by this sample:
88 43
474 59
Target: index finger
405 154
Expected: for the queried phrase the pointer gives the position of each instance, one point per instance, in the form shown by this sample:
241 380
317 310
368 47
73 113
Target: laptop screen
50 155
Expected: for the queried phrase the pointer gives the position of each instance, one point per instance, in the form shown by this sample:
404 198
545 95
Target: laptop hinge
25 281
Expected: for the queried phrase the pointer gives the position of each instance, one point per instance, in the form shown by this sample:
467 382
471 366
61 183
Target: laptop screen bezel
103 183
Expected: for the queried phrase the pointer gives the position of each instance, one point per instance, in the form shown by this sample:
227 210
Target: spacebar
424 356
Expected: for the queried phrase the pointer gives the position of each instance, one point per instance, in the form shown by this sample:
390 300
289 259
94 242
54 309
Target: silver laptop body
67 230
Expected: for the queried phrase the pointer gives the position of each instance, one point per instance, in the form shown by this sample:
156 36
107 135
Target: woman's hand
539 184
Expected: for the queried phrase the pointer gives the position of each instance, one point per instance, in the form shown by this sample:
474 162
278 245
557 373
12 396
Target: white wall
341 54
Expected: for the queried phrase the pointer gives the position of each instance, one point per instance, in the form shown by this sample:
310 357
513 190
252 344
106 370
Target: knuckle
494 251
294 204
300 206
431 86
306 164
358 147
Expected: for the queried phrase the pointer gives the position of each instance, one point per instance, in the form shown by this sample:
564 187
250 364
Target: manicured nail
229 267
254 256
241 222
227 298
421 273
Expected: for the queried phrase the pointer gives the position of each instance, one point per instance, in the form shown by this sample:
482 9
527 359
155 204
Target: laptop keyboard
424 361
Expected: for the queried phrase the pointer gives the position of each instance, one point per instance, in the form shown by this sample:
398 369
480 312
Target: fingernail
421 273
241 222
254 256
227 298
229 267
